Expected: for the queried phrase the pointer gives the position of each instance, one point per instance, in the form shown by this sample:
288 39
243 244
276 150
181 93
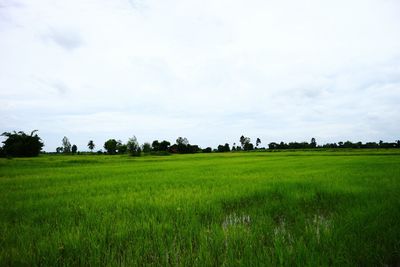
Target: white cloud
207 70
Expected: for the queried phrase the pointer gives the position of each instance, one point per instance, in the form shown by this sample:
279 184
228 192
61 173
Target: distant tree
164 145
182 145
182 141
192 148
258 142
59 149
221 148
272 145
245 142
121 148
313 143
242 140
133 147
74 148
66 145
248 146
146 148
224 148
91 145
111 146
21 144
207 150
155 145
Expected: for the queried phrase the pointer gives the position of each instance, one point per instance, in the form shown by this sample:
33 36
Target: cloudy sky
208 70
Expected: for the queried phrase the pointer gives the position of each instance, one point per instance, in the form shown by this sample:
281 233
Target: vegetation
66 148
133 147
20 144
111 146
91 145
74 149
310 208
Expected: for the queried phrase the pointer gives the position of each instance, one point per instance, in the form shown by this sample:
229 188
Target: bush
22 145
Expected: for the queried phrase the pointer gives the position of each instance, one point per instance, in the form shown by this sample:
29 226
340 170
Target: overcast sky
207 70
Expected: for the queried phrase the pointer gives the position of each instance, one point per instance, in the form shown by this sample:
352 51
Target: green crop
314 208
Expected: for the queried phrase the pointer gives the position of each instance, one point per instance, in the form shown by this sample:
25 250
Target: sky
209 70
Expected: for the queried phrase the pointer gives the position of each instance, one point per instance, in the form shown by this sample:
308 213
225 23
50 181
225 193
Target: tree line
20 144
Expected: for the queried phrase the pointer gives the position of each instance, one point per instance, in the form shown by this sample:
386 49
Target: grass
307 208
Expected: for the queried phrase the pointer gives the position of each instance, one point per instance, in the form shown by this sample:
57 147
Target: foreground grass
250 209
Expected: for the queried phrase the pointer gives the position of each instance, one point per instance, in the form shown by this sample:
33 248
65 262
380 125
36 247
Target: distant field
251 209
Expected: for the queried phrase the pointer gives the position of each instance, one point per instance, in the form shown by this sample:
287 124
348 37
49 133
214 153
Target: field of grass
251 209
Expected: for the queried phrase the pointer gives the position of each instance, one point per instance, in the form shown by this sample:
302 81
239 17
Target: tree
207 150
111 146
164 145
258 142
182 141
133 147
146 148
121 148
313 143
245 142
21 144
66 145
182 145
155 145
226 147
221 148
59 149
91 145
74 148
248 146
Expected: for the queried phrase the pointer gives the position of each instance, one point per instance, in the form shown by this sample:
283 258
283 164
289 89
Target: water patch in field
282 233
234 219
319 225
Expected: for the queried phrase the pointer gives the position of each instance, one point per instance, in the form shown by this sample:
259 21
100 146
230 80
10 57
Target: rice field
303 208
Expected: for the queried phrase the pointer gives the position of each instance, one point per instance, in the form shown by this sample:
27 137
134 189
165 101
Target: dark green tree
164 145
21 144
121 148
207 150
111 146
258 142
155 145
91 145
146 148
245 142
74 148
313 143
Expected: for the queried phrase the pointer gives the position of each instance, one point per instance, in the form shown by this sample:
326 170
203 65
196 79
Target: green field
311 208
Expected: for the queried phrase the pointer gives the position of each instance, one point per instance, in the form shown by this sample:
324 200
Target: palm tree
91 145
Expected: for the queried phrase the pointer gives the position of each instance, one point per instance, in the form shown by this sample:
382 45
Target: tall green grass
250 209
